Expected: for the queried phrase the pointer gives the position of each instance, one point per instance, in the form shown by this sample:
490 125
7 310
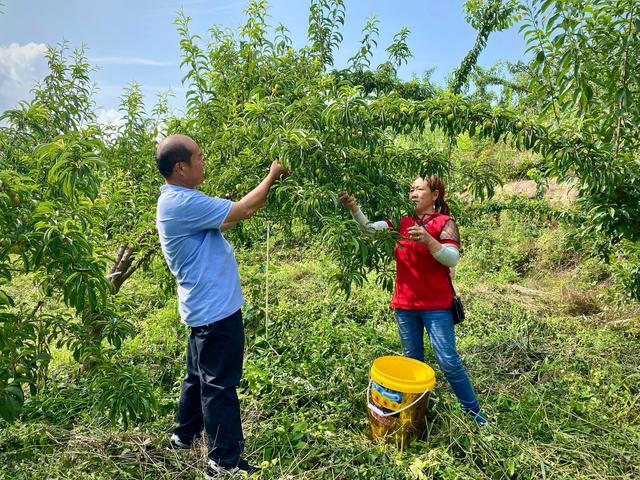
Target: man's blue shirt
188 223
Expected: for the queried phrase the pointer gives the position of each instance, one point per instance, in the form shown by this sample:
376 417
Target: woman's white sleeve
448 255
369 227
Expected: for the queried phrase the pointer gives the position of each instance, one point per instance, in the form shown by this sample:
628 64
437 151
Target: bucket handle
379 412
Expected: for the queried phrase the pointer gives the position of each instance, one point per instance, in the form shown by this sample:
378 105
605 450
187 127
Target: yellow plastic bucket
397 397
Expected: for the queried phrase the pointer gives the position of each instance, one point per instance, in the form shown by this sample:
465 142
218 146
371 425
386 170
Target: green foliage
486 17
479 12
485 251
512 80
326 17
399 52
52 172
592 92
370 31
131 185
626 271
553 382
252 102
72 193
125 392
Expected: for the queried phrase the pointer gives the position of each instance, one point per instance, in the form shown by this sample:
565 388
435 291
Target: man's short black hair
173 153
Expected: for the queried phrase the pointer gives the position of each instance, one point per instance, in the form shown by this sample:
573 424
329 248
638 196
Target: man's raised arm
255 199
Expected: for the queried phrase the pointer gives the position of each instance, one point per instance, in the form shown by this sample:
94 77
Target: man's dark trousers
208 398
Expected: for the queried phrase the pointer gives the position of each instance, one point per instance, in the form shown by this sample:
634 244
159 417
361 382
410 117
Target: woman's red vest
421 281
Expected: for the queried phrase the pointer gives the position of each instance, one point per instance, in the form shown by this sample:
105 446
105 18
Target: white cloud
21 66
110 119
163 88
109 116
130 61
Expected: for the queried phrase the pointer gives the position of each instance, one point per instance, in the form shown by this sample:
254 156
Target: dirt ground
557 194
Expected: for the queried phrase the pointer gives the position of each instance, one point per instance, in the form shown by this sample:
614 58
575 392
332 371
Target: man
190 226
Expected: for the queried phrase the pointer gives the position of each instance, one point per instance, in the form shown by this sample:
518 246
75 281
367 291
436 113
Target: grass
555 366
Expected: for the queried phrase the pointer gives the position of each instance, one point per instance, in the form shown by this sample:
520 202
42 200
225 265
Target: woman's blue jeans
439 326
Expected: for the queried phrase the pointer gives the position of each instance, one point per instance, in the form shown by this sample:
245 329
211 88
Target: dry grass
561 194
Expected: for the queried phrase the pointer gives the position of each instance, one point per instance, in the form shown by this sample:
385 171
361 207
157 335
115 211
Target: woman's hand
348 201
418 233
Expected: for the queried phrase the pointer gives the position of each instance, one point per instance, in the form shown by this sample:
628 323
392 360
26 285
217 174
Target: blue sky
136 40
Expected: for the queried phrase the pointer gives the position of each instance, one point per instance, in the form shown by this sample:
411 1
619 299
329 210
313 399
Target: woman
423 294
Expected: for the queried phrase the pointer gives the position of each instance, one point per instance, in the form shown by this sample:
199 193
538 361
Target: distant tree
486 16
584 81
52 170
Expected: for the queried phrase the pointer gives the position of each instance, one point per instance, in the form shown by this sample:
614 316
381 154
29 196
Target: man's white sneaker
215 470
176 442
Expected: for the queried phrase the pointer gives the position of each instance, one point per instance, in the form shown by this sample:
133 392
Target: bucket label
380 418
386 398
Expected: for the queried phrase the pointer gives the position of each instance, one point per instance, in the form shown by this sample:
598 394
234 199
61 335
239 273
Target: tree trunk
128 261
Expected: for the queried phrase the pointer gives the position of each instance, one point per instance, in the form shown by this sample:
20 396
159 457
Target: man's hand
348 201
256 198
277 171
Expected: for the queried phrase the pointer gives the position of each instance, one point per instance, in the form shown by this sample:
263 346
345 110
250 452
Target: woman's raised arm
350 203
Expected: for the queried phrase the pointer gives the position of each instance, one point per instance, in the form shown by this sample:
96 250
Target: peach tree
54 172
252 97
77 201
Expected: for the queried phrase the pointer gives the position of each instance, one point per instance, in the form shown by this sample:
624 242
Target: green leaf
5 299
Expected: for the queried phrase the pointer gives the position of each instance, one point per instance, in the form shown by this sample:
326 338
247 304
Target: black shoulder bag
457 310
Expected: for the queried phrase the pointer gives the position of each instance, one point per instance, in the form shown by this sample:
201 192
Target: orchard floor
555 366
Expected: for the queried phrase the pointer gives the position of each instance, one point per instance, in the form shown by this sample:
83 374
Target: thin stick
266 287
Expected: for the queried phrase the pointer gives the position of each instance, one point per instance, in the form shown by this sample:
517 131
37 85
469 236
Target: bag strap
451 282
449 272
